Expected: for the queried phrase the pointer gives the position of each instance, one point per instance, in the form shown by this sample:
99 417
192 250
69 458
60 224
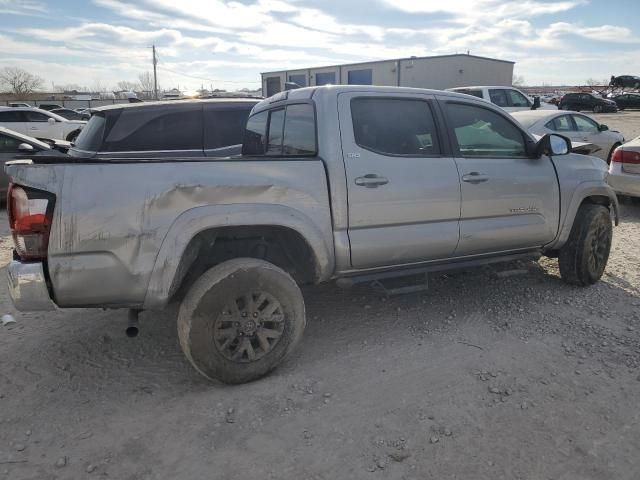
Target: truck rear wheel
584 257
240 319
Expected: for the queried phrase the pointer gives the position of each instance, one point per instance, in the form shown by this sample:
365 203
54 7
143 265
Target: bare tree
517 81
126 85
19 81
98 87
145 81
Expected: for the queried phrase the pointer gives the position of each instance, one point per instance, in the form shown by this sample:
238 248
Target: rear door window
394 126
36 117
561 124
299 130
499 97
160 129
12 117
224 126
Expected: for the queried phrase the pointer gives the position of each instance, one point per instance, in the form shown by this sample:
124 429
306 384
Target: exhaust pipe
132 328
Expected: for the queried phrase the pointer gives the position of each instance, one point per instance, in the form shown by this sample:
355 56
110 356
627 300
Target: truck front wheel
240 319
584 257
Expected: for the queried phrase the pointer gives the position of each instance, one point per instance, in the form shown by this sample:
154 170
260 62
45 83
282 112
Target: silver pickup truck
352 183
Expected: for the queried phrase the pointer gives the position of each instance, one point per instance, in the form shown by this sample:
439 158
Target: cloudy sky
228 43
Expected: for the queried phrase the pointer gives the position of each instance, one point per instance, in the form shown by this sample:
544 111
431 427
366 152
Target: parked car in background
49 106
40 123
508 98
624 170
178 128
20 105
71 114
625 81
587 101
576 126
627 100
354 183
11 144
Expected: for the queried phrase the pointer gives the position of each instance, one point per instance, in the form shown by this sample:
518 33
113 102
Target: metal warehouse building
437 72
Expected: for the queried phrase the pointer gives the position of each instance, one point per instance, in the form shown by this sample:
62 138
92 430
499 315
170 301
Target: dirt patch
487 375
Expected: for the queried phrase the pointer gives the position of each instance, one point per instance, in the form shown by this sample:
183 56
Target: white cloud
22 7
216 39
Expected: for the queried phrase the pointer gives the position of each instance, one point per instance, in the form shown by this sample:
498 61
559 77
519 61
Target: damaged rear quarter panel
111 219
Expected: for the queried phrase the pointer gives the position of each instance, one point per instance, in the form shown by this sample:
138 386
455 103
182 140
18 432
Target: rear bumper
28 287
623 183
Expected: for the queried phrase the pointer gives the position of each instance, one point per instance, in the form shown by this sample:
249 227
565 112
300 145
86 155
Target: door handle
371 180
33 128
475 177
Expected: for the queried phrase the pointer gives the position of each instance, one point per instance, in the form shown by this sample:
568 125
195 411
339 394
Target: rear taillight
621 155
30 214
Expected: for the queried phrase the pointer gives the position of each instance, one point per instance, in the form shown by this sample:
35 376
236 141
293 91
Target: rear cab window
282 131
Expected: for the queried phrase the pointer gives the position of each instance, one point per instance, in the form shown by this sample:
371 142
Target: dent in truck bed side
196 220
111 219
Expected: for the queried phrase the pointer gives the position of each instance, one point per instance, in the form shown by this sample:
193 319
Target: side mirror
25 148
552 144
51 121
536 103
602 127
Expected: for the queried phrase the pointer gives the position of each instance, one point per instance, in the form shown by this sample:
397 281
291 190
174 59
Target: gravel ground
495 373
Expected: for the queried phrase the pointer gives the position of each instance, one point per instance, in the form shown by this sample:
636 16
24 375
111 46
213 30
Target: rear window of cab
285 131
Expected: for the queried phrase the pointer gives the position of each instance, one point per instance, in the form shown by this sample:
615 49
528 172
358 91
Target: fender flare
583 191
193 221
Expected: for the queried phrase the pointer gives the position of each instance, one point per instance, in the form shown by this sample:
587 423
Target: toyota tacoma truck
346 183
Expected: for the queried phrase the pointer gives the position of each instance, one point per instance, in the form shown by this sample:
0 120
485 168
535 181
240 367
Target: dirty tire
226 325
584 257
597 109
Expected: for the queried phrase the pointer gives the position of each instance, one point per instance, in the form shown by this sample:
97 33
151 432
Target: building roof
391 60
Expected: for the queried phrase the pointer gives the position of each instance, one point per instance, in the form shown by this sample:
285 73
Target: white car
40 123
624 169
509 99
578 127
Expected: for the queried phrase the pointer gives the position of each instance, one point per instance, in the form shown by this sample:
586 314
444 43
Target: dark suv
587 101
183 128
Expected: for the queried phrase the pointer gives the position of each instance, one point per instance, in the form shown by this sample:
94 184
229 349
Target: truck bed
115 219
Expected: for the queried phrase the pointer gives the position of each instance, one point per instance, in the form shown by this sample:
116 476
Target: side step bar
377 277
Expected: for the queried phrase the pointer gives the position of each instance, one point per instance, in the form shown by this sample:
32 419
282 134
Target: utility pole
155 74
